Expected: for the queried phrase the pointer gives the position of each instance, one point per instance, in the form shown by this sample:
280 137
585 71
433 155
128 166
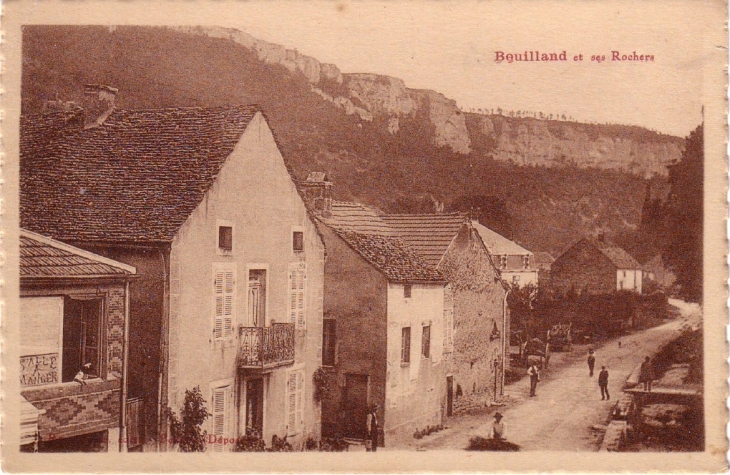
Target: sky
450 47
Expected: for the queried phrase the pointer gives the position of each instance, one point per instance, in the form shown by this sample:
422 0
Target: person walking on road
534 378
372 429
591 362
603 383
646 374
498 427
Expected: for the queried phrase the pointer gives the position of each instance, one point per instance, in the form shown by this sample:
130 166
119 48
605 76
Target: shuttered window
405 353
297 293
224 287
295 402
220 404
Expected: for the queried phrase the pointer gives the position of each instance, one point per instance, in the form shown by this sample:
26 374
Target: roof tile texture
136 178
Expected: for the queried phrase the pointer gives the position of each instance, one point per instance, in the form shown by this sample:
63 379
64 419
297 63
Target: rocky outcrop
552 143
524 141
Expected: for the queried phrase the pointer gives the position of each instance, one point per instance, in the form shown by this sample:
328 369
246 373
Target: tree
490 211
682 253
186 433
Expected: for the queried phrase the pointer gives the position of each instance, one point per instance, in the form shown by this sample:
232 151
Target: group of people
602 376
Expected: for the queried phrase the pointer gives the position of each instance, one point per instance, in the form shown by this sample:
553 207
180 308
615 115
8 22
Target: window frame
294 231
407 291
329 342
224 267
257 266
426 342
405 346
100 365
222 223
293 316
299 401
226 386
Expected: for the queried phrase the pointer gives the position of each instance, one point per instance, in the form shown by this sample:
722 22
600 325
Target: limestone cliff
523 141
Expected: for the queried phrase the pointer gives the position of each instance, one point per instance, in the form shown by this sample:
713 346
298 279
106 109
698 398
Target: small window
405 355
526 262
225 238
329 341
426 341
503 262
298 241
407 291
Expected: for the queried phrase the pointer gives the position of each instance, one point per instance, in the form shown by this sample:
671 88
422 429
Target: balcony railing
266 347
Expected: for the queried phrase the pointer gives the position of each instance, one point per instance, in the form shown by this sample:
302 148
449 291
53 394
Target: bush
251 442
186 431
492 445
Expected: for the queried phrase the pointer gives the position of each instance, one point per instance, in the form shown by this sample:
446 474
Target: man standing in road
591 361
498 427
646 374
534 378
603 383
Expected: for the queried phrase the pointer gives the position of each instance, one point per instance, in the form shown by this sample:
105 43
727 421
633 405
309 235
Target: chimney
318 193
98 104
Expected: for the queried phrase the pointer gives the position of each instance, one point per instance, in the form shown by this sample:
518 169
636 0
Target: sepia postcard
465 237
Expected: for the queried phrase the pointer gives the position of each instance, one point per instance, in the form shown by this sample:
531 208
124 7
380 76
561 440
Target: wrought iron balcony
266 347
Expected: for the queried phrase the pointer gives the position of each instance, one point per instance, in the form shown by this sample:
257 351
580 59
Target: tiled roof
497 244
428 234
543 258
391 256
136 178
619 257
357 218
42 257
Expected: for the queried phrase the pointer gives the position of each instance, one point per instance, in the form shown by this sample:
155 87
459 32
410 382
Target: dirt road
568 401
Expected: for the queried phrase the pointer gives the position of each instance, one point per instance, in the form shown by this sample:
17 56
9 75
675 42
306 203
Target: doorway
449 396
257 297
355 402
255 405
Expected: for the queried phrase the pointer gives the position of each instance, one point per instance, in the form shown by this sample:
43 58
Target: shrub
251 442
186 431
492 445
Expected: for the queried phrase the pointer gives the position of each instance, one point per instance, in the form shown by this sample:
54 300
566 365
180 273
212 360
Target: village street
568 401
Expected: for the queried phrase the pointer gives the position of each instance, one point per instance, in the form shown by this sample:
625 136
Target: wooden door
356 403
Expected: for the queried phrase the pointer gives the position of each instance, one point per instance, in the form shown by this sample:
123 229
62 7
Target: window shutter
292 402
225 291
295 402
297 296
219 303
220 402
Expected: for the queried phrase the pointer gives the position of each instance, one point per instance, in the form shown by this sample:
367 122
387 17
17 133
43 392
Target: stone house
73 317
596 266
230 266
384 329
515 263
477 350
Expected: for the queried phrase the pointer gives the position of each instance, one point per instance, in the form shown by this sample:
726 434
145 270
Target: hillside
382 143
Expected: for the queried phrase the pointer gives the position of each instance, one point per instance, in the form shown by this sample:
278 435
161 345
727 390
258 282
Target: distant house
230 266
595 266
384 331
543 262
475 368
655 270
515 263
73 346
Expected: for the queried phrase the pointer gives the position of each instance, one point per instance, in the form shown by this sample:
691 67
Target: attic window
526 262
407 291
503 262
225 238
298 241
